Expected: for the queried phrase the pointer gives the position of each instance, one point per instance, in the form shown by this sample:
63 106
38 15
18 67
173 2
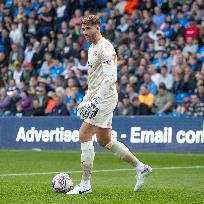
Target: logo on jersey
90 65
109 61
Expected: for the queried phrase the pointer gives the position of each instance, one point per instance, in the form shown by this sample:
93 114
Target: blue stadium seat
180 97
176 114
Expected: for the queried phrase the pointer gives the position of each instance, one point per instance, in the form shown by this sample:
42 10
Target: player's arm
109 65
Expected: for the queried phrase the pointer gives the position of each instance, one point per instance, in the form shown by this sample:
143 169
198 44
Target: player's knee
84 136
103 142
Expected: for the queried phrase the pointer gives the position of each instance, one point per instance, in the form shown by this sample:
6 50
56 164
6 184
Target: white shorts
104 116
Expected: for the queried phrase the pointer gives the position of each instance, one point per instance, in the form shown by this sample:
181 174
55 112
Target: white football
62 183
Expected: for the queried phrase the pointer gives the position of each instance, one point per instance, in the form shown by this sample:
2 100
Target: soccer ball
62 183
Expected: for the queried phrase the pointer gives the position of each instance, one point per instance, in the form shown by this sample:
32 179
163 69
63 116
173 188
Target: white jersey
102 68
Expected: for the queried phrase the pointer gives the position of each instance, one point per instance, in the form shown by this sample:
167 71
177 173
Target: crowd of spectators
159 43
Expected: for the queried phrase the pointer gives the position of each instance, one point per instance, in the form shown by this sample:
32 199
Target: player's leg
86 133
119 149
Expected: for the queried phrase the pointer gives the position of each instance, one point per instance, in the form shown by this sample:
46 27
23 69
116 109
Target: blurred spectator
25 101
11 108
16 55
200 90
50 103
166 77
167 30
140 108
151 86
27 72
59 108
123 83
189 80
130 90
46 19
126 108
42 96
16 34
60 11
179 84
72 108
184 107
155 76
123 24
163 101
145 96
74 94
190 47
196 108
33 83
158 17
36 109
76 18
4 100
11 87
200 54
37 58
83 84
17 74
29 52
192 30
42 47
46 66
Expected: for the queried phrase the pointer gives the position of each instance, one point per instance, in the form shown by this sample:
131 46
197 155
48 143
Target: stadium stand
43 55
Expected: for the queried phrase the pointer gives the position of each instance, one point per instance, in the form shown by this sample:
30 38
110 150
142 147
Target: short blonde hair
90 20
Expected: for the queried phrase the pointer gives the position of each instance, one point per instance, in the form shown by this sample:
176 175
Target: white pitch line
104 170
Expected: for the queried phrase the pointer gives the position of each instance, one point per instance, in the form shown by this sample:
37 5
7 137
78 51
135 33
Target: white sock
86 183
139 167
120 150
87 158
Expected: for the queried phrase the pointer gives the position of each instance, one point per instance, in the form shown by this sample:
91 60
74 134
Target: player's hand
89 109
80 108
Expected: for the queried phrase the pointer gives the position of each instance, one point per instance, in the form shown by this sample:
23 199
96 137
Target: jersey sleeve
109 66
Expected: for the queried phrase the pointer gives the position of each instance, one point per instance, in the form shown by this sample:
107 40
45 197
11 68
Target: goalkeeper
98 105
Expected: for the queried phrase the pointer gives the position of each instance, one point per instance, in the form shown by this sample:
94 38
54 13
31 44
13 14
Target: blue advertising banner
155 134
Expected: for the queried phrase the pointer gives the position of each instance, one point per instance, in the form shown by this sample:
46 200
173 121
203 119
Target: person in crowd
60 108
163 101
36 109
196 108
5 100
158 41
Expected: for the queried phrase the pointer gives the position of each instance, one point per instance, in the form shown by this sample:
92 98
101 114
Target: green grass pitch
181 185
